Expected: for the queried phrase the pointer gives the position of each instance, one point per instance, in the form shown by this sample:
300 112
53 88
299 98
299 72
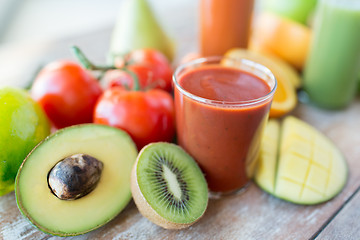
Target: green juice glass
330 75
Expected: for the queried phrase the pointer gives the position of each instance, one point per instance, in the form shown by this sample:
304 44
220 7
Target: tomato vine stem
87 64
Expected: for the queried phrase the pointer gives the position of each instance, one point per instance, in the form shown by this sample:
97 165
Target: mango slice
299 164
266 170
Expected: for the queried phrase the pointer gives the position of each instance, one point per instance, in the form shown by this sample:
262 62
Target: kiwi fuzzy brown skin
144 207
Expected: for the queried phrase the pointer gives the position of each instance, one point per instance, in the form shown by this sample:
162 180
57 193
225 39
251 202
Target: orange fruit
284 98
287 78
282 37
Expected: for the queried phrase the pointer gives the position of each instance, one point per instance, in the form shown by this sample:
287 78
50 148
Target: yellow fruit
266 169
282 37
299 164
287 79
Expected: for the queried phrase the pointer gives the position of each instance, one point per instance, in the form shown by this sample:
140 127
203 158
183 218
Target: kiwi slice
168 186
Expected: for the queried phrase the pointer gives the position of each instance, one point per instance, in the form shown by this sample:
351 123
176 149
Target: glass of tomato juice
222 106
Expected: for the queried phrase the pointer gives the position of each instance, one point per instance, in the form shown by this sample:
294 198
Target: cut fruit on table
287 79
77 179
299 164
168 186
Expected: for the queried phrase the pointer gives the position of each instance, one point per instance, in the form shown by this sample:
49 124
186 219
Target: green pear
23 124
138 28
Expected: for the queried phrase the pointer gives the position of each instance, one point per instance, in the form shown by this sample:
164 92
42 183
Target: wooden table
251 215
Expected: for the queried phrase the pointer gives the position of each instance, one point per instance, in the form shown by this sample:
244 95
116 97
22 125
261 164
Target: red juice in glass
220 115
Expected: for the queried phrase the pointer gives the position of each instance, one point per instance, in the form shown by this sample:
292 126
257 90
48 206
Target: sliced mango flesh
266 170
299 164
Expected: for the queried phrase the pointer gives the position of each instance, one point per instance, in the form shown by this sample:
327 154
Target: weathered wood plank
345 225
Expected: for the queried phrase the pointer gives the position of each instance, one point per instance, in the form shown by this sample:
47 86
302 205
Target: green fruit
358 82
23 124
77 179
168 187
297 10
138 28
299 164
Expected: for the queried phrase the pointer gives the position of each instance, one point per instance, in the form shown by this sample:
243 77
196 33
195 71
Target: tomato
148 116
159 64
151 66
119 77
67 93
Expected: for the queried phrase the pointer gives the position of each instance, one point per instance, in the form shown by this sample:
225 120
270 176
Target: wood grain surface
346 223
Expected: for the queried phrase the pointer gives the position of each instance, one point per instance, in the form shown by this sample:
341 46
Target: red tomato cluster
151 67
70 95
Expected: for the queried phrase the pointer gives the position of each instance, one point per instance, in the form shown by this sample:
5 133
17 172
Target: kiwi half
168 186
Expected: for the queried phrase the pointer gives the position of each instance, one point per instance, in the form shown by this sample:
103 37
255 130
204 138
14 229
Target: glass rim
221 103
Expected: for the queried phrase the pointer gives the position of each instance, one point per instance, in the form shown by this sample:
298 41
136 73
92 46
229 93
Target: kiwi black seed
168 187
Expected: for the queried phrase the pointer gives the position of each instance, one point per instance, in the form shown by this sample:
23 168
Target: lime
23 124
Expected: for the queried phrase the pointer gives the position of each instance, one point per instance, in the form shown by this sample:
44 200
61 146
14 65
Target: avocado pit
75 176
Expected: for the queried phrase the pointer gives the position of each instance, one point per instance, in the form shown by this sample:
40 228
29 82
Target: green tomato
23 124
297 10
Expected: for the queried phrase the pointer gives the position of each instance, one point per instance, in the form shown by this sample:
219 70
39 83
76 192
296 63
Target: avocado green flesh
307 168
66 218
195 205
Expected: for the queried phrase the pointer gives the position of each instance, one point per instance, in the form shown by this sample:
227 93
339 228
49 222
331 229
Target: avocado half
37 202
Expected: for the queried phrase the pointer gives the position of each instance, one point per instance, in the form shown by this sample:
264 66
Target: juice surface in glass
334 58
224 24
220 115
